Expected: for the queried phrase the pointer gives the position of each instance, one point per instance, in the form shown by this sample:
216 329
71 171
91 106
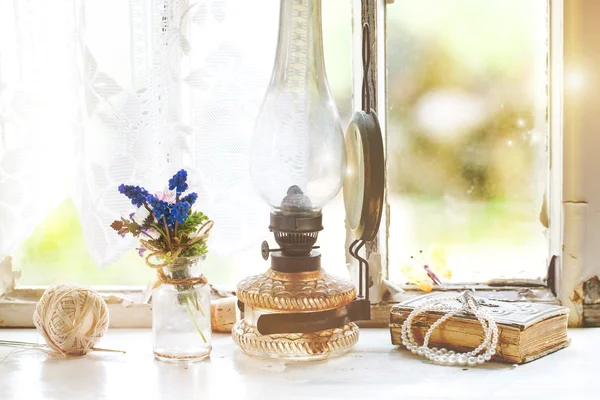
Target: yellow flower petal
444 273
437 256
437 262
426 286
413 272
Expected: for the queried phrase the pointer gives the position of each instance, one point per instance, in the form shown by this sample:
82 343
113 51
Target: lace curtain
94 93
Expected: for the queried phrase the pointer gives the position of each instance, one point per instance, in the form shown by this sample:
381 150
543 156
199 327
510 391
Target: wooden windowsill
374 369
128 310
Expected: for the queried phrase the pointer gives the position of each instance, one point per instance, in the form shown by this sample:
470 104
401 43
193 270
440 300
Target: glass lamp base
295 346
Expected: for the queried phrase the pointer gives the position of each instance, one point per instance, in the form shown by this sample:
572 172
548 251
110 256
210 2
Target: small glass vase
181 313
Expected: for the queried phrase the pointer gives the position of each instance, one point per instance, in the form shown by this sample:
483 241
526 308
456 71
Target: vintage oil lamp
295 310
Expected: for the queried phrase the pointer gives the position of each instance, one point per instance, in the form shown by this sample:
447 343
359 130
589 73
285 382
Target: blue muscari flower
179 213
190 198
159 207
136 194
178 182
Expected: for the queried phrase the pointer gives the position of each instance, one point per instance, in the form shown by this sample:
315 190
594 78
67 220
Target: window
470 90
468 136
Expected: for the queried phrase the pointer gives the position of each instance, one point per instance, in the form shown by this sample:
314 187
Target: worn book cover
527 331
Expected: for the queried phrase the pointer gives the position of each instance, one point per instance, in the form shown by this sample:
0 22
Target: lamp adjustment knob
265 250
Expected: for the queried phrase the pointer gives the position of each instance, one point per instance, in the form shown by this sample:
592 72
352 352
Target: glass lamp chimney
297 153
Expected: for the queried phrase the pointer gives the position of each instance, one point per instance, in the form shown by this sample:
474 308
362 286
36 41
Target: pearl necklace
442 356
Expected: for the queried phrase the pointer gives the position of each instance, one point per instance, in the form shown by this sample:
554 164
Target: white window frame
578 105
374 12
573 182
573 141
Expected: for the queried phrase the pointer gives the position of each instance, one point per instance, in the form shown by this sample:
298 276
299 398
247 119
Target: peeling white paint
571 274
580 152
8 277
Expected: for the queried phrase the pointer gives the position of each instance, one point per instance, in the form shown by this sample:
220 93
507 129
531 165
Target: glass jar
181 313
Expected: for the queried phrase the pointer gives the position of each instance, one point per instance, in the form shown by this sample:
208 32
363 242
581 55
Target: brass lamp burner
295 233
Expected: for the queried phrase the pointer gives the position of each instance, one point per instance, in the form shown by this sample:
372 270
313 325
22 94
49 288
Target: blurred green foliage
56 252
467 98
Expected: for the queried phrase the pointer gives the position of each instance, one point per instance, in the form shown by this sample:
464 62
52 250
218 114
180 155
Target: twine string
158 259
162 278
62 317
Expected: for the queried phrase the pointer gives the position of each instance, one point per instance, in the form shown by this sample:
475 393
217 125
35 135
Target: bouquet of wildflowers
165 223
169 231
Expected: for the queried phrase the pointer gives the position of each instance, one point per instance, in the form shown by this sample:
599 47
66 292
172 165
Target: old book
527 331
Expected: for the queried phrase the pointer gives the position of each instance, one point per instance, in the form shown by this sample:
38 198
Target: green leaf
197 249
134 228
194 220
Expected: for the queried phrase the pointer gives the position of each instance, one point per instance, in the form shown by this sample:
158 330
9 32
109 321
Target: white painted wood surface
373 370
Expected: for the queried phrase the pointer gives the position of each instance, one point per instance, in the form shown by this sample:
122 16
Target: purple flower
178 213
141 251
190 198
159 207
136 194
178 182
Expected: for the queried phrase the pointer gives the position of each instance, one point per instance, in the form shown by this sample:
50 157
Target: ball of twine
71 318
